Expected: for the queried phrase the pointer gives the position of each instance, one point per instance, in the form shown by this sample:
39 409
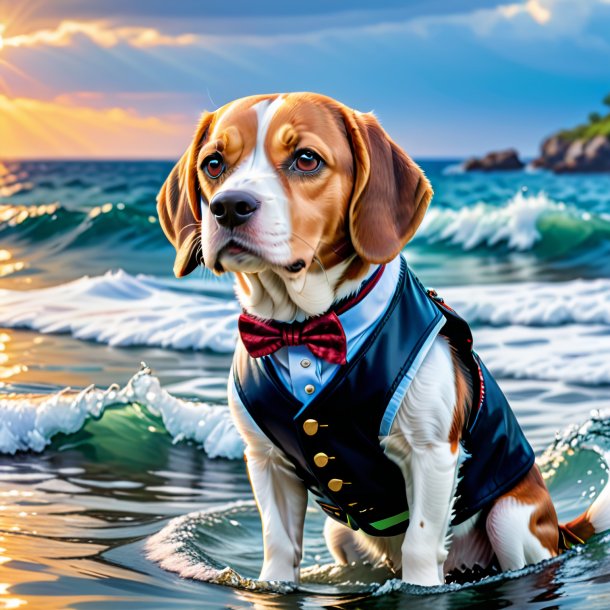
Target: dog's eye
213 165
306 161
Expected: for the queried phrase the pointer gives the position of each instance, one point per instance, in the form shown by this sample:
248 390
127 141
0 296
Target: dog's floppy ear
390 194
179 204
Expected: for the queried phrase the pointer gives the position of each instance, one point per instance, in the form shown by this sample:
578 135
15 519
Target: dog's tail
594 520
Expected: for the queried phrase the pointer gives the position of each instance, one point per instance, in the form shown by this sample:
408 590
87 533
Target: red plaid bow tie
323 335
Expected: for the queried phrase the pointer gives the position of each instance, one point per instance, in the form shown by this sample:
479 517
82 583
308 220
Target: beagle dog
350 380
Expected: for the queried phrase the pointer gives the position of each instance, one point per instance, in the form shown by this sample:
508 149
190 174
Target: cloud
101 33
529 18
539 19
449 83
534 8
42 129
237 16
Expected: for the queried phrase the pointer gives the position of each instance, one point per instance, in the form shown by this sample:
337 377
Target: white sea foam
533 303
29 422
571 354
530 330
170 548
120 309
454 169
514 224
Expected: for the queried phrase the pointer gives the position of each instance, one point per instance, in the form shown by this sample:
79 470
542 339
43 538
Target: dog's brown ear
390 195
179 204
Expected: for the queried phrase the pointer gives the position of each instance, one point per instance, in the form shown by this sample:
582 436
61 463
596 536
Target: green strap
384 524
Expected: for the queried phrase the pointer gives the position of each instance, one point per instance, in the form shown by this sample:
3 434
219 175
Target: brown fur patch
580 527
357 270
531 490
463 401
178 202
232 133
241 279
318 202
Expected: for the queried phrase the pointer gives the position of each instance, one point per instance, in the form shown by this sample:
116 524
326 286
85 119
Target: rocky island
586 148
501 160
582 149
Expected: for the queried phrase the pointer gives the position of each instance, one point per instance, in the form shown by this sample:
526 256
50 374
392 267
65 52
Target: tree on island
598 125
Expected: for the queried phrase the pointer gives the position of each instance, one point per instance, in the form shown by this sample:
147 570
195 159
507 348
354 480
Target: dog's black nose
233 208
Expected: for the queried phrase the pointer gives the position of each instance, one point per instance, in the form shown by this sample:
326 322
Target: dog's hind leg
342 543
522 524
348 546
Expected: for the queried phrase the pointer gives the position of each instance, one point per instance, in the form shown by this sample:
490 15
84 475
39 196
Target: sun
1 31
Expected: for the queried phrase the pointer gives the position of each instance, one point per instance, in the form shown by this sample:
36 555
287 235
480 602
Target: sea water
122 484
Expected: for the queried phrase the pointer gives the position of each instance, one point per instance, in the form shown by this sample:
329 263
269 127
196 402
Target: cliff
580 155
585 148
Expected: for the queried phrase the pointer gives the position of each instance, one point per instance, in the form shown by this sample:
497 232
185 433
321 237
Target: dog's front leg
432 472
280 495
282 501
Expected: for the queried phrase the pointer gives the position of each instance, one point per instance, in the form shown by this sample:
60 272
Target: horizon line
525 158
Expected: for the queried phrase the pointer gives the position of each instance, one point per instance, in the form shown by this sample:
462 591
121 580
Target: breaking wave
524 223
29 422
58 228
548 331
120 309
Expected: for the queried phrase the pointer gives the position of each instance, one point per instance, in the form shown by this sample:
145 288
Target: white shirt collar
299 369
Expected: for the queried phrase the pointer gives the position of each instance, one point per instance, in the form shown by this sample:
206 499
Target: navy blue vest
334 442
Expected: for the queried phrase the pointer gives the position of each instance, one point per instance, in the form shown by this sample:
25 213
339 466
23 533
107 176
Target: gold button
305 363
310 426
309 389
335 484
320 460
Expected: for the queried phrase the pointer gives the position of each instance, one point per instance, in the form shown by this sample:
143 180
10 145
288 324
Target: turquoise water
106 496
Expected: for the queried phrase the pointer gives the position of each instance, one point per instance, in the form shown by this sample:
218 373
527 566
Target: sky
446 78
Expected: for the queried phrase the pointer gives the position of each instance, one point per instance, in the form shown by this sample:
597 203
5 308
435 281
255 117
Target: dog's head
295 183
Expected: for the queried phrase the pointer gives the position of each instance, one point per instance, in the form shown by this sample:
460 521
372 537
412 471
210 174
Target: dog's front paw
423 580
422 571
279 571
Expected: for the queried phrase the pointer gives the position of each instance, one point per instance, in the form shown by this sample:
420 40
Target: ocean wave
28 422
546 331
526 222
533 303
55 227
120 310
454 169
199 546
573 354
78 182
